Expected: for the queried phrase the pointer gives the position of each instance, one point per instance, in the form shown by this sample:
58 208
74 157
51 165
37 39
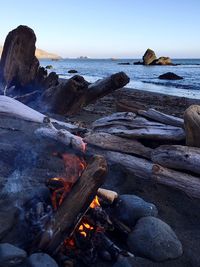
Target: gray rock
7 218
130 208
154 239
72 71
11 255
170 76
122 262
162 61
41 260
135 262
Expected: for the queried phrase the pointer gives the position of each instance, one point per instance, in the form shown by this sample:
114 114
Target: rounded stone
11 255
41 260
154 239
130 208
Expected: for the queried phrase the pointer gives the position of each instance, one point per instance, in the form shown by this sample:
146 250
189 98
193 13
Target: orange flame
95 203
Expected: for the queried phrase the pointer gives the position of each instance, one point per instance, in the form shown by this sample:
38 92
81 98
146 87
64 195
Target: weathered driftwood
161 117
62 136
14 108
116 143
192 125
107 195
178 157
139 167
161 132
74 206
69 97
177 180
139 128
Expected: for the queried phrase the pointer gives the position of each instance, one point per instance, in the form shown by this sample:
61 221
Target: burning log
74 206
161 117
75 93
177 180
116 143
178 157
14 108
62 136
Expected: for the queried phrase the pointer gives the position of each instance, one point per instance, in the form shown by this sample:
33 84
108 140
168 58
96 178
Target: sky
108 28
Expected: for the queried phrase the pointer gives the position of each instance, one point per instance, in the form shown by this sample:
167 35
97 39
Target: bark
74 206
192 125
162 117
69 97
116 143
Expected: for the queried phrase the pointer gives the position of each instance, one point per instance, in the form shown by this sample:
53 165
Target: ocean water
141 77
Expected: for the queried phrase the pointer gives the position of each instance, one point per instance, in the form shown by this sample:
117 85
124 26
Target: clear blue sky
108 28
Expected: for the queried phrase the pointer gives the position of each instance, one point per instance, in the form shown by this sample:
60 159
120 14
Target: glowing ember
95 203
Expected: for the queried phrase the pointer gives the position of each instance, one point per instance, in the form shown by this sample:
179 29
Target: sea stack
149 57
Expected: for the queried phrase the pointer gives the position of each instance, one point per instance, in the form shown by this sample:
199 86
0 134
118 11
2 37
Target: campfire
78 225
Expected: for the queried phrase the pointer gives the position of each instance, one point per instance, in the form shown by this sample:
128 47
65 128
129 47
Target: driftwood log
14 108
74 206
63 136
69 97
138 127
138 167
192 125
161 117
186 183
148 171
178 157
116 143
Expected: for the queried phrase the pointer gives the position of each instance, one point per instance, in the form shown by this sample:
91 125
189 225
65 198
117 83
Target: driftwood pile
153 146
150 144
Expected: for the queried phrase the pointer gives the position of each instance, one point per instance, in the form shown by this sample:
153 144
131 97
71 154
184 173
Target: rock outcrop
162 61
18 64
149 57
170 76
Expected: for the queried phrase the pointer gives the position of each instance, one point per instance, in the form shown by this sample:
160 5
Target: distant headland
40 54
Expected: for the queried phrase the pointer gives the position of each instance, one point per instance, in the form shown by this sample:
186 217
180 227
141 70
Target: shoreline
134 99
